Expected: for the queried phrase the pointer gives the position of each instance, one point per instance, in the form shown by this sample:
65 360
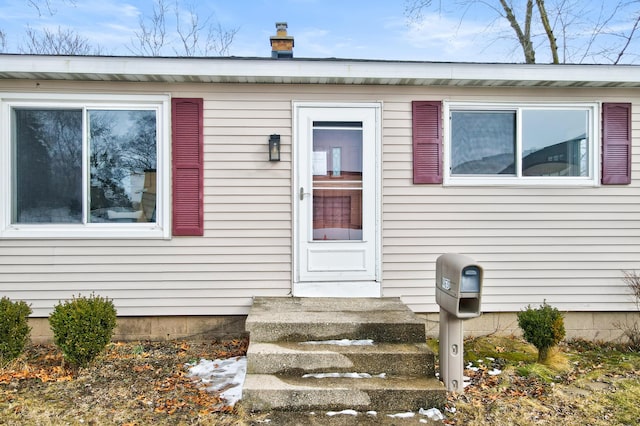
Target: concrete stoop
288 340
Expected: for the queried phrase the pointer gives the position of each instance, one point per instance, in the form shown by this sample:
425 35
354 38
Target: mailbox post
458 292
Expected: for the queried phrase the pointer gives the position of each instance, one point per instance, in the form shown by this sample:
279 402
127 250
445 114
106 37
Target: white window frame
161 103
592 180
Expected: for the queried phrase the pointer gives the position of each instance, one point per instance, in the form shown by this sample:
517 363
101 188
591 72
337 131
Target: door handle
302 193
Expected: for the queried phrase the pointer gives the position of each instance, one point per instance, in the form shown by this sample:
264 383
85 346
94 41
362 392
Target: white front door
337 200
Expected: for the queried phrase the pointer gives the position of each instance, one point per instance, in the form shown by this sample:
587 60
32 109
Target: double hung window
92 166
521 144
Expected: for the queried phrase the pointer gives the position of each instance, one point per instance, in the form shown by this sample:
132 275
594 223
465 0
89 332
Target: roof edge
313 70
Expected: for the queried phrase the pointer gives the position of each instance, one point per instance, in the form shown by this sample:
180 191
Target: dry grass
131 384
144 383
581 384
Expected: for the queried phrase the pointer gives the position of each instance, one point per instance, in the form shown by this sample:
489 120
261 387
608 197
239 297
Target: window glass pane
48 166
483 142
554 143
122 146
337 181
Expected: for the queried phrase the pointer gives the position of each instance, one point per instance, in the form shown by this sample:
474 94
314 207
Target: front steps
288 340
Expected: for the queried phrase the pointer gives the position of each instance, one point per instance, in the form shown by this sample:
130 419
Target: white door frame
339 288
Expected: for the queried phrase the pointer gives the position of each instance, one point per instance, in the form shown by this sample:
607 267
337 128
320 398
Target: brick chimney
281 43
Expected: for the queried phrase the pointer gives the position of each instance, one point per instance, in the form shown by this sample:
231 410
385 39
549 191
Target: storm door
337 212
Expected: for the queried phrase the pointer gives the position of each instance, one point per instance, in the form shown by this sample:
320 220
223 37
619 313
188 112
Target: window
85 167
337 180
521 144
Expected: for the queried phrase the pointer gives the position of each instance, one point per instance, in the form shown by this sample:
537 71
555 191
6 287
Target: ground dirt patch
146 383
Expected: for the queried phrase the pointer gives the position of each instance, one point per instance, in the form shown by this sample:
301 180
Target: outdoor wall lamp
274 148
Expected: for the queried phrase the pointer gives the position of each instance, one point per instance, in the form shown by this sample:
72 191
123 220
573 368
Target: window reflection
483 142
49 157
122 166
337 180
554 143
48 162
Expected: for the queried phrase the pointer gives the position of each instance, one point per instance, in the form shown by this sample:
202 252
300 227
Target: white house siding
567 246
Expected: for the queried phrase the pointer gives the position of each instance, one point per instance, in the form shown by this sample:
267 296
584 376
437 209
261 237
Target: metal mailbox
458 285
458 292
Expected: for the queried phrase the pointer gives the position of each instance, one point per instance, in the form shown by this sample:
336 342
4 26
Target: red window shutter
616 143
187 153
427 141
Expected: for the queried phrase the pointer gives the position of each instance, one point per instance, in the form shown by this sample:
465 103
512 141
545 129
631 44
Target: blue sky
373 29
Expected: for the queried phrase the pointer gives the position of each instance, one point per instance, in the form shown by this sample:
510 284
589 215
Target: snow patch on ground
344 375
432 414
406 415
342 342
466 381
343 412
221 375
226 376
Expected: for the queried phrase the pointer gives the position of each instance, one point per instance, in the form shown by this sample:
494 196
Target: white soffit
313 71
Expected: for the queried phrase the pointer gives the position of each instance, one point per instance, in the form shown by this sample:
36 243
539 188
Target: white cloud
454 40
108 9
315 42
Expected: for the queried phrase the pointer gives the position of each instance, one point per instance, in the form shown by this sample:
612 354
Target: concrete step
263 392
293 358
276 319
288 340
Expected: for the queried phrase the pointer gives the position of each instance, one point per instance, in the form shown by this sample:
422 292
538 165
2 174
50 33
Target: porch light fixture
274 148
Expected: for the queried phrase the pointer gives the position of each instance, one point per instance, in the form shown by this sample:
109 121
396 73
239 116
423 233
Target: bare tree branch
629 38
3 41
63 41
45 5
598 29
567 16
219 40
413 9
188 37
523 37
150 38
553 46
192 37
585 33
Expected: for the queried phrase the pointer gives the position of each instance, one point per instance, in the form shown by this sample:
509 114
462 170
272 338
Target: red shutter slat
187 166
616 143
427 141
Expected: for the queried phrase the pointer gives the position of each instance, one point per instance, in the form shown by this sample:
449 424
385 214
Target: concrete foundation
599 326
596 326
157 328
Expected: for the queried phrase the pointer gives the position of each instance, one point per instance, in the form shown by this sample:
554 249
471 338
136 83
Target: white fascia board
313 71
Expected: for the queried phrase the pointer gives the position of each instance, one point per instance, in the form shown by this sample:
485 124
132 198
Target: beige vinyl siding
246 249
567 246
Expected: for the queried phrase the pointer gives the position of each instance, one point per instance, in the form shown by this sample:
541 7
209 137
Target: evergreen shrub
542 327
14 328
83 327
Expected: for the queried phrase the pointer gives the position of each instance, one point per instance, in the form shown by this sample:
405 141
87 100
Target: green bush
542 327
83 327
14 328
